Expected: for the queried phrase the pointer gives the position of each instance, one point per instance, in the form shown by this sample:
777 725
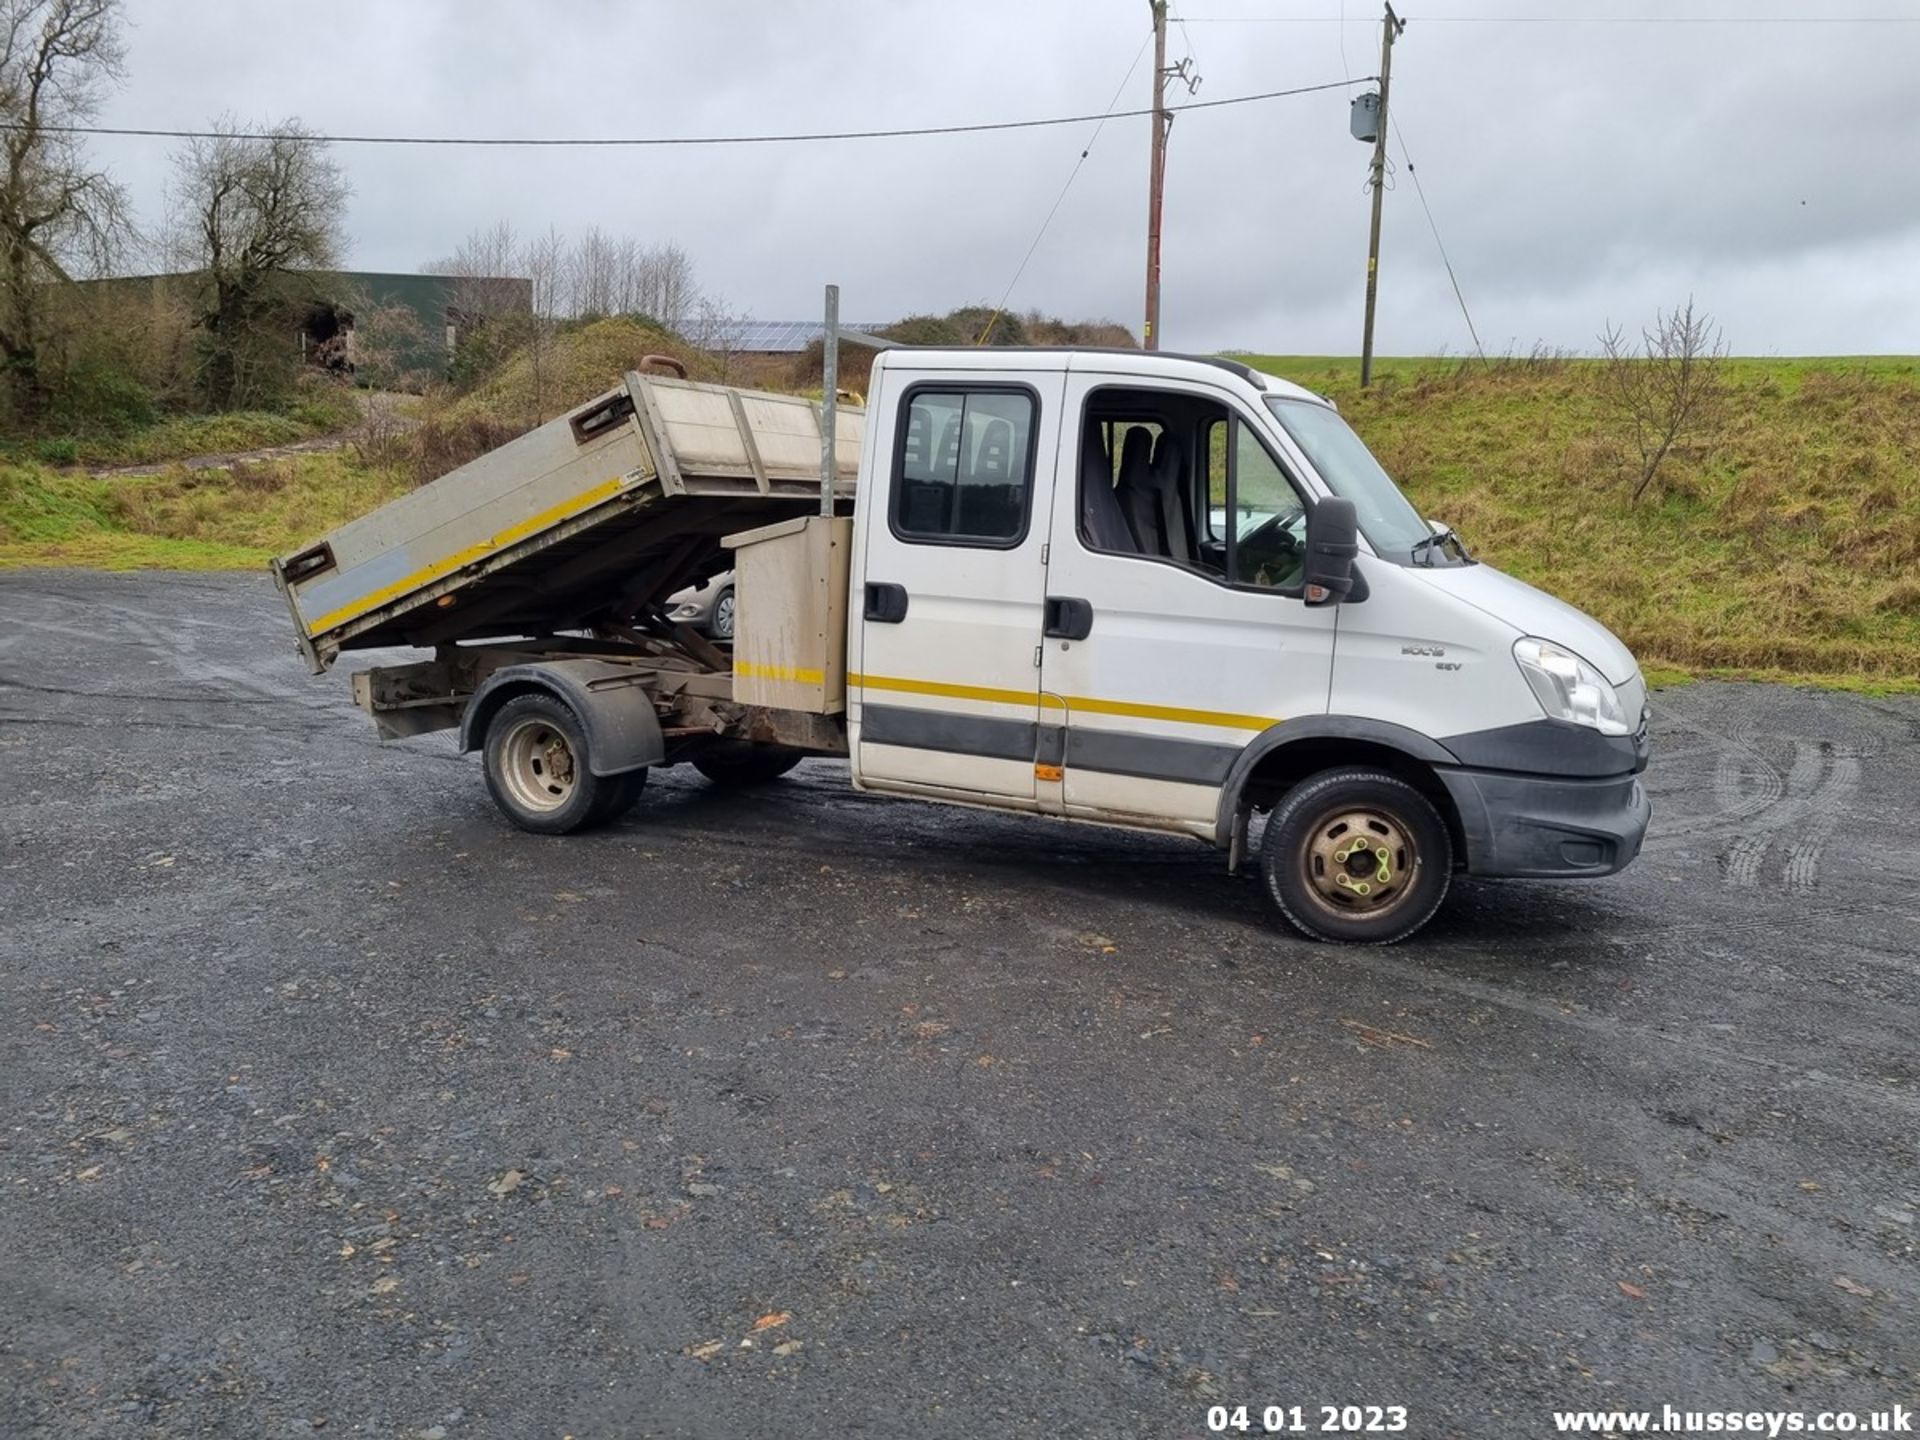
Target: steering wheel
1271 546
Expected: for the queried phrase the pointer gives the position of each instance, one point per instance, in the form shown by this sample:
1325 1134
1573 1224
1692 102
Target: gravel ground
330 1104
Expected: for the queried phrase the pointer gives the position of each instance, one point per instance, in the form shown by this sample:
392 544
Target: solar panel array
772 337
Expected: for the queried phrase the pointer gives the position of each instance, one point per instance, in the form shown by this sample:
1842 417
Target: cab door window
963 465
1266 521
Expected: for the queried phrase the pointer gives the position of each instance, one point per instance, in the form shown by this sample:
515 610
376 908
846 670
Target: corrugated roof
777 336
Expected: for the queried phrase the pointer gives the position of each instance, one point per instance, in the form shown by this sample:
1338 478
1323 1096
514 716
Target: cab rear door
946 694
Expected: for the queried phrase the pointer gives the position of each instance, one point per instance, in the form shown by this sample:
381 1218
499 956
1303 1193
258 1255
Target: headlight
1569 688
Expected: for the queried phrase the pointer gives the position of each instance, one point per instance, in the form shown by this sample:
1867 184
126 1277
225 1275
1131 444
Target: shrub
96 397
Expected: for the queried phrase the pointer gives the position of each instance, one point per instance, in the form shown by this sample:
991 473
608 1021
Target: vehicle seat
917 457
946 460
1135 490
989 505
1168 473
1102 523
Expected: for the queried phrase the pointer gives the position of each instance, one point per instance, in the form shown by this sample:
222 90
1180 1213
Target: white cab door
1176 629
948 684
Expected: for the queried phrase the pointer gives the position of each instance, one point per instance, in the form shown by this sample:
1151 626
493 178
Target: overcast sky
1577 171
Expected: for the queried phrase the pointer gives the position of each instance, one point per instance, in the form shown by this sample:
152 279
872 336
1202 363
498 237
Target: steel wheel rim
1359 862
537 766
723 615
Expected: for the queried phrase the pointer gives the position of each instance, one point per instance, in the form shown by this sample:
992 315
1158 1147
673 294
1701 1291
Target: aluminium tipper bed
613 505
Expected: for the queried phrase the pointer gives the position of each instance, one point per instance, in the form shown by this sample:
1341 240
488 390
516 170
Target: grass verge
183 519
1788 547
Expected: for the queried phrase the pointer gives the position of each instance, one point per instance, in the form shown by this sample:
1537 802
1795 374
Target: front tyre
538 770
1356 855
736 763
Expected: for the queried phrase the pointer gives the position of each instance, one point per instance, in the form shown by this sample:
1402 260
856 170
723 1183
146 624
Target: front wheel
1356 855
720 626
733 763
538 772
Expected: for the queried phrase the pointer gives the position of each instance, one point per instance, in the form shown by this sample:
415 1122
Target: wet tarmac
331 1104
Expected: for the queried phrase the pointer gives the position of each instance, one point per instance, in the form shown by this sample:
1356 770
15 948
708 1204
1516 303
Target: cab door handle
886 602
1066 618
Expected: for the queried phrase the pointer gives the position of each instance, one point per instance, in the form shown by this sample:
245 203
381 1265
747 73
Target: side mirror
1333 539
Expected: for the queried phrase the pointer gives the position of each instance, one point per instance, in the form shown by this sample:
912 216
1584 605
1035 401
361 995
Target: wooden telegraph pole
1393 26
1156 174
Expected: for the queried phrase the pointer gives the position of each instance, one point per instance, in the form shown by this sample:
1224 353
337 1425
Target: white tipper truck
1163 592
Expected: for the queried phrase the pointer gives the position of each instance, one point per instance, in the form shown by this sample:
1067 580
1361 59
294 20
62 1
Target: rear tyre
536 761
1356 855
739 763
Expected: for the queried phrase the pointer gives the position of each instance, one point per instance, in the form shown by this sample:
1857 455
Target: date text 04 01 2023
1308 1419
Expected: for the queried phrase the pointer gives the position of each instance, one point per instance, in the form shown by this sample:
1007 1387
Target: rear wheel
736 763
538 769
1356 855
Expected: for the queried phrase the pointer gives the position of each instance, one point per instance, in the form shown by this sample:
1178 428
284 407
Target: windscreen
1392 526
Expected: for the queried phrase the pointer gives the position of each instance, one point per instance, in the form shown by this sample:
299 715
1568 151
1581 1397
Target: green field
1785 544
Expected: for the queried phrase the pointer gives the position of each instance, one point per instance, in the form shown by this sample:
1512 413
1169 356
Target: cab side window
963 465
1267 546
1179 477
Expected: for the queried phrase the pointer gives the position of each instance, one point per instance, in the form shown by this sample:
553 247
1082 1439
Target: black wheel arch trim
1408 742
623 732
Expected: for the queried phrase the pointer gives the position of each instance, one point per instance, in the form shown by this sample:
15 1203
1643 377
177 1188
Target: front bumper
1548 826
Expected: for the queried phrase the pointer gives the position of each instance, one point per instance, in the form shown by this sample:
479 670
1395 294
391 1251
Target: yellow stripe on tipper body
1092 705
797 674
427 574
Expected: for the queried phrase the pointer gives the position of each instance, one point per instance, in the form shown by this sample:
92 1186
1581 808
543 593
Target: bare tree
484 270
545 262
663 285
55 212
593 275
257 205
1668 387
715 328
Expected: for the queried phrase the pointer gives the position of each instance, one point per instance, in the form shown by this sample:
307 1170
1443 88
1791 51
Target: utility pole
1156 174
1157 168
1393 26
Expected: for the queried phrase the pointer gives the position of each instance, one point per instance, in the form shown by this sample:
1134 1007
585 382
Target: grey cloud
1577 172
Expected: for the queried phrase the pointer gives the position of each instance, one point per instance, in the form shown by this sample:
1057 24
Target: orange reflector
444 601
1049 772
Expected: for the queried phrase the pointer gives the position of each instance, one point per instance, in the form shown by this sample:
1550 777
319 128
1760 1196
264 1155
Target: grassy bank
321 412
183 519
1787 546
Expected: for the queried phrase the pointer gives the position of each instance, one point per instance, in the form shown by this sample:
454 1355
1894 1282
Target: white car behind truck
1169 593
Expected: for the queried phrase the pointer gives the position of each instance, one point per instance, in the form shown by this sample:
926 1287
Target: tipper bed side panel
567 523
528 485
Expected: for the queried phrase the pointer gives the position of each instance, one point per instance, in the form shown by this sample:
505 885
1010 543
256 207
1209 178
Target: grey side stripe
1150 757
952 734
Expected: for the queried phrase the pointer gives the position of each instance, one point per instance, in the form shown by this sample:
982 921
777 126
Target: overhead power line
1060 199
1438 243
795 139
1571 20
